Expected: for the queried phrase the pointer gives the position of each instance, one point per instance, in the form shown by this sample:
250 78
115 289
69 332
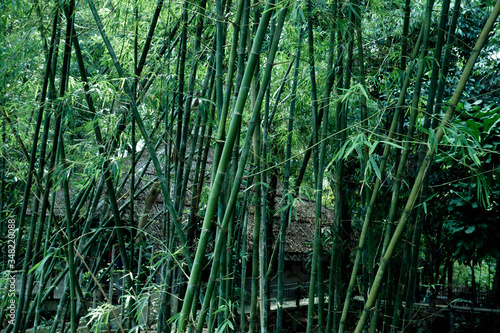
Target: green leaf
432 140
39 266
372 147
395 145
474 126
470 229
491 123
375 167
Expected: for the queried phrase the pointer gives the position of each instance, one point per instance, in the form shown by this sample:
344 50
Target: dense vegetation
233 114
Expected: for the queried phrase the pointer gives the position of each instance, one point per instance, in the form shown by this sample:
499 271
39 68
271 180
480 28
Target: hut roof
300 230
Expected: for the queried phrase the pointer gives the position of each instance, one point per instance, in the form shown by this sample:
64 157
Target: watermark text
11 266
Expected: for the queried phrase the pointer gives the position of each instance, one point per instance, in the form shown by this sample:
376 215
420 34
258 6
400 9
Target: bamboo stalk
24 298
428 158
285 214
253 321
48 69
318 184
225 157
69 233
376 187
145 135
241 166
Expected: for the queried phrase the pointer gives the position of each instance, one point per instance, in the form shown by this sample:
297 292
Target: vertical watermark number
11 266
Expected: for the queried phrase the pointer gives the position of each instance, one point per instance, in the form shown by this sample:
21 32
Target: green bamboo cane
244 256
206 149
415 248
309 150
221 116
100 140
132 232
401 287
256 291
60 309
232 55
198 176
332 294
231 247
182 114
211 317
437 106
164 310
366 251
69 233
279 92
221 295
317 220
434 142
337 248
285 214
183 172
446 61
355 17
23 297
41 168
36 307
413 118
395 192
241 166
145 135
149 37
17 136
374 194
404 42
48 68
219 55
393 208
325 107
242 47
219 176
437 63
86 86
263 262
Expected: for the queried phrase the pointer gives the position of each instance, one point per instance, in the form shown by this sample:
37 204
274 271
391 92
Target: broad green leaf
474 126
491 123
470 229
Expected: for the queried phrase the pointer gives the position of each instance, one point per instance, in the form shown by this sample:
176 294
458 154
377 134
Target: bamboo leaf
40 265
375 166
393 144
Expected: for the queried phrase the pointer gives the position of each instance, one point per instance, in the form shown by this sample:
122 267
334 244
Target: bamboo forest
249 166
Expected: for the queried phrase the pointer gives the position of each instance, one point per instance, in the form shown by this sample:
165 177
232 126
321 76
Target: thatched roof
299 233
300 230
